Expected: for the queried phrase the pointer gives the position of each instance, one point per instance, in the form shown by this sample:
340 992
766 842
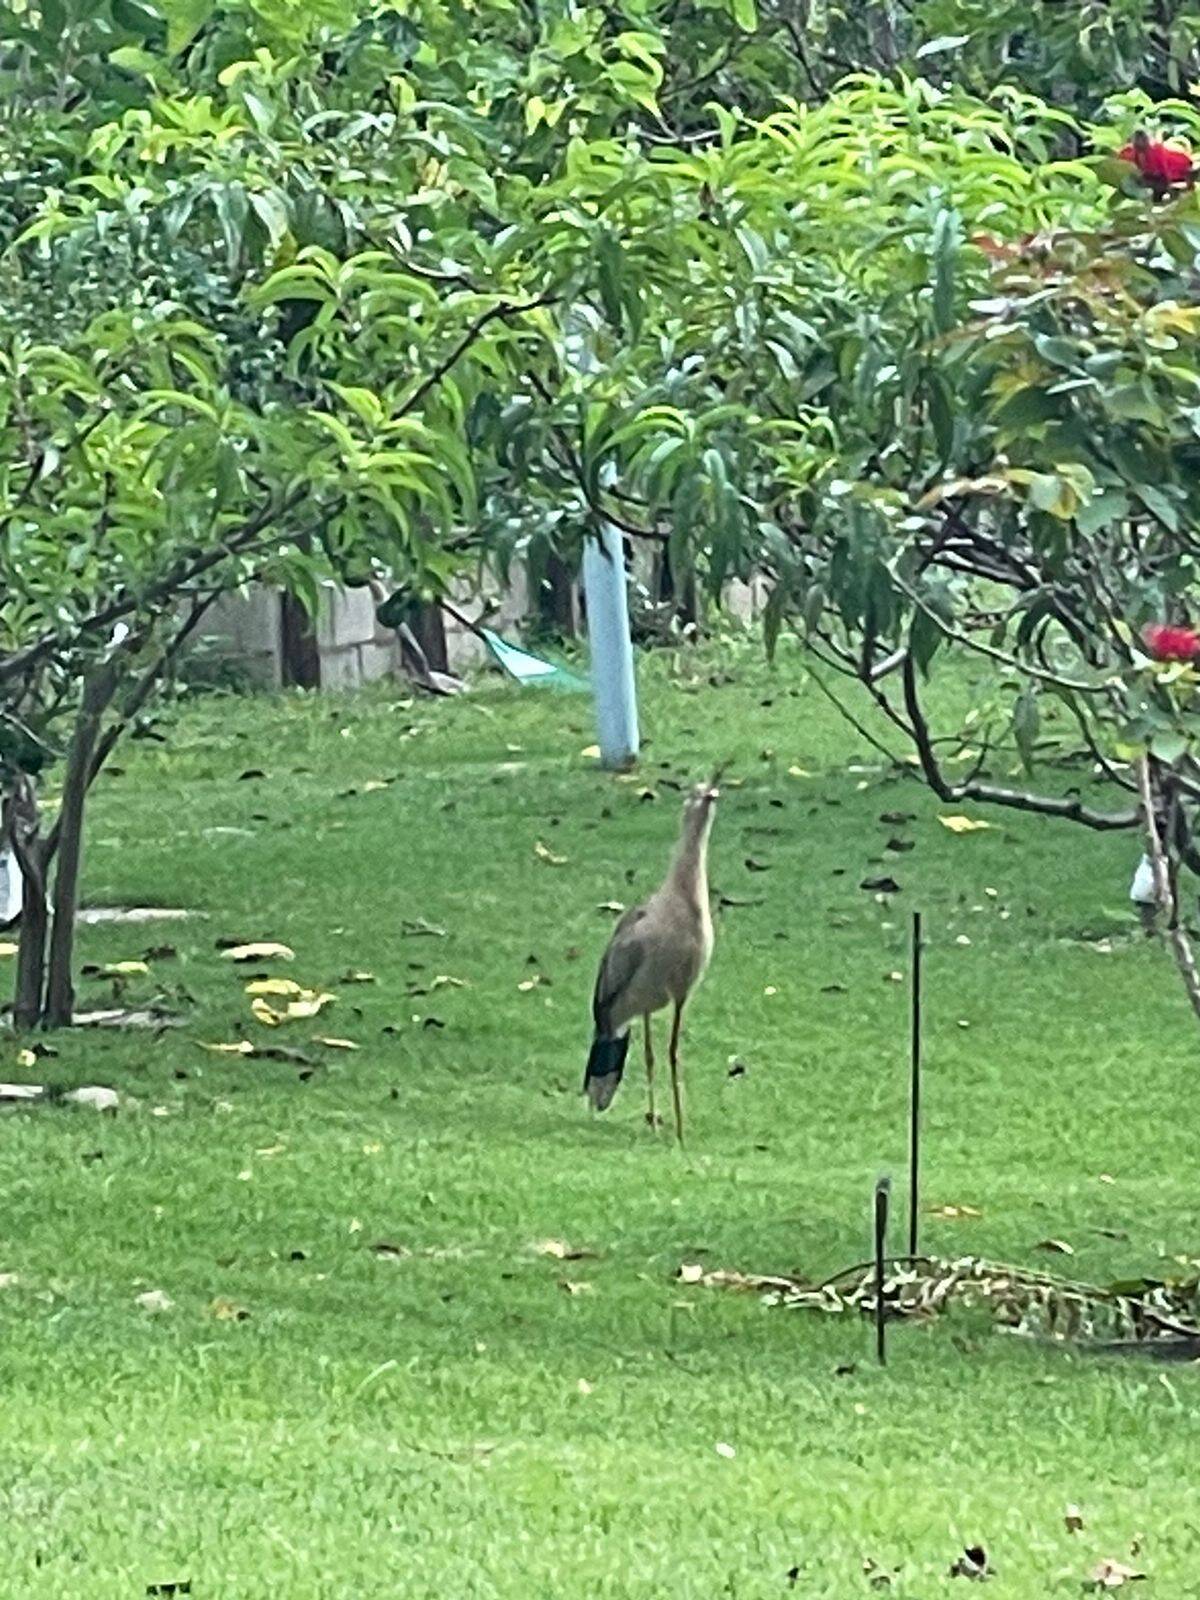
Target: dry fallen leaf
225 1310
273 986
26 1058
544 853
372 1149
576 1288
1056 1247
690 1272
123 969
265 1014
258 952
963 824
590 752
243 1047
560 1250
1073 1519
308 1005
154 1301
7 948
337 1044
615 906
799 772
584 1386
357 977
725 1450
1113 1575
954 1213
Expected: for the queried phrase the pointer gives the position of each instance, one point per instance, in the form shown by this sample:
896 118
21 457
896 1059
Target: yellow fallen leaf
1113 1575
358 977
308 1006
590 752
584 1386
271 1150
273 986
443 980
265 1014
690 1272
725 1450
337 1044
544 853
124 969
372 1149
26 1058
959 824
373 784
225 1310
258 952
799 772
954 1213
560 1250
7 948
576 1288
243 1047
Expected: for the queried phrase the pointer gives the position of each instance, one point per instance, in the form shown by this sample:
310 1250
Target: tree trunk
23 829
555 587
300 663
98 690
429 630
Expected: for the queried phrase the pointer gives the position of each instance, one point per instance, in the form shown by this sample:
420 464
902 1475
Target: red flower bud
1168 642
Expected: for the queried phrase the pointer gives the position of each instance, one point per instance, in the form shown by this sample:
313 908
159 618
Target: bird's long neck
688 875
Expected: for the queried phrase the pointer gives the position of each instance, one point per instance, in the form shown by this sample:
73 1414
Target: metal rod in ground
883 1194
914 1125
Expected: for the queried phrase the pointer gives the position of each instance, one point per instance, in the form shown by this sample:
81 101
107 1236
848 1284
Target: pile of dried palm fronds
1158 1316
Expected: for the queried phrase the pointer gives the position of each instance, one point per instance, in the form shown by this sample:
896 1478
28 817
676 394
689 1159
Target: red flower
1168 642
1158 162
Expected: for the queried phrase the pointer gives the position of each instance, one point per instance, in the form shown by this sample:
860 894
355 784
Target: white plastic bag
1142 891
10 888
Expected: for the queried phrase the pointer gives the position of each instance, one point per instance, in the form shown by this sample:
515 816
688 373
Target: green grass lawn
445 1419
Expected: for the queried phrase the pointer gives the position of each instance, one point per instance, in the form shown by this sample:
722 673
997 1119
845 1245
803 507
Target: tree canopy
869 300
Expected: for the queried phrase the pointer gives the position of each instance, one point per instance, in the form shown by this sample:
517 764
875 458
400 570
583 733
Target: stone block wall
351 647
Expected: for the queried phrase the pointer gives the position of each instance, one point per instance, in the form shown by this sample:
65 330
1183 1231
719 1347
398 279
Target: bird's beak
713 791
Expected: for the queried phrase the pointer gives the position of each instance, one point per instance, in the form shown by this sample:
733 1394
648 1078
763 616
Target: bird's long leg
676 1083
651 1116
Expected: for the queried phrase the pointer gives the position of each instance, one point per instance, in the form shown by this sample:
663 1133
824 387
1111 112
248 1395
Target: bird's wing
618 965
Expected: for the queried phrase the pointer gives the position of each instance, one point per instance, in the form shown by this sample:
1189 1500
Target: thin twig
1180 944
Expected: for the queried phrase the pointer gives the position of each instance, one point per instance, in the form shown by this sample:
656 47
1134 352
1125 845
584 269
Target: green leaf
745 14
773 615
945 41
1026 723
1169 745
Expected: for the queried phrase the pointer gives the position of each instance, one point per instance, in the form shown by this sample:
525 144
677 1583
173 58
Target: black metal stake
914 1128
883 1195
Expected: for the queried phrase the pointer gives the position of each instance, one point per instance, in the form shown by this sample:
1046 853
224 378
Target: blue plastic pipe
604 587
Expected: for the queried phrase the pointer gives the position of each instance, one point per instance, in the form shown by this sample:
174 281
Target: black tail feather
606 1063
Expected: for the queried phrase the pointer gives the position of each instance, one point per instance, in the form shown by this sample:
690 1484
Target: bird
1161 165
655 958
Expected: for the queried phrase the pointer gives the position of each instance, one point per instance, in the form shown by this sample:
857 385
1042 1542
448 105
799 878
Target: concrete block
340 669
377 661
347 616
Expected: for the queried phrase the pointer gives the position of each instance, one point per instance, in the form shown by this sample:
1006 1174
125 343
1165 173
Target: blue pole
611 647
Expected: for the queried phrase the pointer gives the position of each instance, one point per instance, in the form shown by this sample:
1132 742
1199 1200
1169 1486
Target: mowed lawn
460 1414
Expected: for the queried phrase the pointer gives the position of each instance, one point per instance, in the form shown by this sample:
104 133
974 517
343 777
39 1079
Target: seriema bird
655 958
